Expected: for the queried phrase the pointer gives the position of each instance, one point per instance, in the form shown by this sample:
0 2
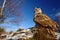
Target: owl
44 20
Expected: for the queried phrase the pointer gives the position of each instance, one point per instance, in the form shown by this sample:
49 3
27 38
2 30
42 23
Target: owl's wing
45 21
54 25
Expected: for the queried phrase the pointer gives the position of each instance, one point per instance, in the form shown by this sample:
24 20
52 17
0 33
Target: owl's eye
36 9
37 16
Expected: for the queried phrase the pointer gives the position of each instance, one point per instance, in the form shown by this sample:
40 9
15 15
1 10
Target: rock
20 29
20 34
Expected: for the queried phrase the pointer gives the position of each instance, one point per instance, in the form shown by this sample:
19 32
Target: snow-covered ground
57 35
22 33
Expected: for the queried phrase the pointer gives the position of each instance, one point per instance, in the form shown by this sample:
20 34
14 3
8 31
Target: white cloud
58 14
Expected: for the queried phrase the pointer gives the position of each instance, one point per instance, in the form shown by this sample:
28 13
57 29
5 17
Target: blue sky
49 7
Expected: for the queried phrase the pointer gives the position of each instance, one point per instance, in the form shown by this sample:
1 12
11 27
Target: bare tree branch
2 9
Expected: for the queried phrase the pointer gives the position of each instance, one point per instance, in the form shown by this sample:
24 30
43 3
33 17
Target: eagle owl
44 20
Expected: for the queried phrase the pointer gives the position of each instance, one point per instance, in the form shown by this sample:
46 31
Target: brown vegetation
2 30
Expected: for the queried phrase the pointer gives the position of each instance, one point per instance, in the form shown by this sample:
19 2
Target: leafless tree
9 8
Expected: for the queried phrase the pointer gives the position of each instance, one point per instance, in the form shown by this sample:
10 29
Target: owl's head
37 10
